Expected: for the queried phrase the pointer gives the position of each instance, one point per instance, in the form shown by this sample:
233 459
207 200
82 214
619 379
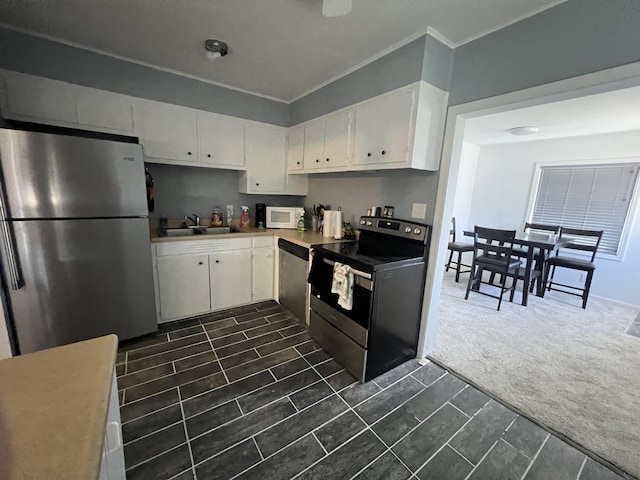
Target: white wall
464 187
503 185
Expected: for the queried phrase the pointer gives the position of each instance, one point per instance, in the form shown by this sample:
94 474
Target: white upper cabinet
295 149
167 133
30 98
41 100
327 141
104 110
264 160
399 129
382 130
314 144
337 139
221 141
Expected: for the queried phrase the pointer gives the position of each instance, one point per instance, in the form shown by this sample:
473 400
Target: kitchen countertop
53 411
305 239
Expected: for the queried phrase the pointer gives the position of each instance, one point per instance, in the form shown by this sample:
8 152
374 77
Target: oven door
321 277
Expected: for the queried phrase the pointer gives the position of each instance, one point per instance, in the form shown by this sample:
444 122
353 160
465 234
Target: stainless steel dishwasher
293 278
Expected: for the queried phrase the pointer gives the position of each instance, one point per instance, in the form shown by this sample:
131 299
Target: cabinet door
103 110
26 97
295 149
265 159
262 278
166 132
367 130
183 282
394 131
221 140
337 139
230 274
314 144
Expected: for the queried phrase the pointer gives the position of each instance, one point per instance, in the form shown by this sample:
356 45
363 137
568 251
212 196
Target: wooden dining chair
580 241
521 252
460 248
492 251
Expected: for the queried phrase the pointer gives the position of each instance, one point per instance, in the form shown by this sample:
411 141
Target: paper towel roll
327 223
337 222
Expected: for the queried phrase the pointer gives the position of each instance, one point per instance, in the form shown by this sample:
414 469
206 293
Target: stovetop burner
382 242
352 254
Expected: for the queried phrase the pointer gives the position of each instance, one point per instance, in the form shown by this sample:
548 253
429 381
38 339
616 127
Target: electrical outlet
419 210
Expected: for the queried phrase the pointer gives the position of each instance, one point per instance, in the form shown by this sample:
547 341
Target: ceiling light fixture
215 48
521 131
335 8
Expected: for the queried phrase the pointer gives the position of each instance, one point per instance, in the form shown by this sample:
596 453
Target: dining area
501 258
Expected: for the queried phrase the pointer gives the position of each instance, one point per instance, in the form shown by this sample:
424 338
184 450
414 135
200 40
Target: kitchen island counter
53 410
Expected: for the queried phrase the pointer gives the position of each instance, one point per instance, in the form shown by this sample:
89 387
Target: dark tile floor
247 394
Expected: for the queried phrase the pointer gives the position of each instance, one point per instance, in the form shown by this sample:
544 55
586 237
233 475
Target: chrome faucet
195 219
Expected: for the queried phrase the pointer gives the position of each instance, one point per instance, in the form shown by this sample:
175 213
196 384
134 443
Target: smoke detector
215 48
521 131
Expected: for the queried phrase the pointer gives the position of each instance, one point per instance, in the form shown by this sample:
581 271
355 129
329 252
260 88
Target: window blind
590 197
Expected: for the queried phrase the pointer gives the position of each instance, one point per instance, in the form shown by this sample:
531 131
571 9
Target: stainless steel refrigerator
76 255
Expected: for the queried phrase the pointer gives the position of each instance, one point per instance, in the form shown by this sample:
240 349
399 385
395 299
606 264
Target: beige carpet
575 371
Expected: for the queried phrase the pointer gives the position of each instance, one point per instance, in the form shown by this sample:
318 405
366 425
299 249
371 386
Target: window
591 197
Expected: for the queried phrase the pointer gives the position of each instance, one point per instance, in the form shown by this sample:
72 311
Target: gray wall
185 190
357 191
394 70
37 56
571 39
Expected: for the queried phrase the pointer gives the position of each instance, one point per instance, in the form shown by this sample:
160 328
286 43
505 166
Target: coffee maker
261 215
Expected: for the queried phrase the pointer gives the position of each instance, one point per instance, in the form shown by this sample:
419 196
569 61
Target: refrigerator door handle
15 279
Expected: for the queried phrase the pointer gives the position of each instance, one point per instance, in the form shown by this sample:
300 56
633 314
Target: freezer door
81 279
57 176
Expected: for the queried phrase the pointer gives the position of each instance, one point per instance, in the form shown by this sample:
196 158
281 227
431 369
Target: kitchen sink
188 231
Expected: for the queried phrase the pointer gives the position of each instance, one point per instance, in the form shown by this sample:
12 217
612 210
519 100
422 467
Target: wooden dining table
539 246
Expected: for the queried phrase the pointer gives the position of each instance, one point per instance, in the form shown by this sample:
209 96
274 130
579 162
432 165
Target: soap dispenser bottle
301 226
244 218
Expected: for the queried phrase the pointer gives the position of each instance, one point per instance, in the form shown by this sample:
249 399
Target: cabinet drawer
201 246
266 241
348 353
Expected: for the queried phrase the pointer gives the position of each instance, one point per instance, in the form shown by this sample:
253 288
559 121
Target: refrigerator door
57 176
81 279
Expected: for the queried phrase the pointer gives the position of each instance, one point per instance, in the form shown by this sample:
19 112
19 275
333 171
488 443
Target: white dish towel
342 284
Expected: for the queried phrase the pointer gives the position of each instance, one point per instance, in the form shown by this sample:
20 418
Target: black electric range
381 328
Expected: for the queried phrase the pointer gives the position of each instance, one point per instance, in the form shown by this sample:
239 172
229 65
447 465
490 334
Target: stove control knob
407 229
417 231
369 223
362 222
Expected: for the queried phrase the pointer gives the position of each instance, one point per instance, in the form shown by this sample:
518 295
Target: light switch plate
419 210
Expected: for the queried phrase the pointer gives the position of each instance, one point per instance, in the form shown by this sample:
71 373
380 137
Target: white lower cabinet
230 278
199 276
112 466
262 266
183 282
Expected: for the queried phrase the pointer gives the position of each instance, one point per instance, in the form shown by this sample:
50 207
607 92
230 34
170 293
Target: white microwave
283 217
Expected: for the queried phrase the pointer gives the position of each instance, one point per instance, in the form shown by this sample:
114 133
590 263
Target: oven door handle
357 273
